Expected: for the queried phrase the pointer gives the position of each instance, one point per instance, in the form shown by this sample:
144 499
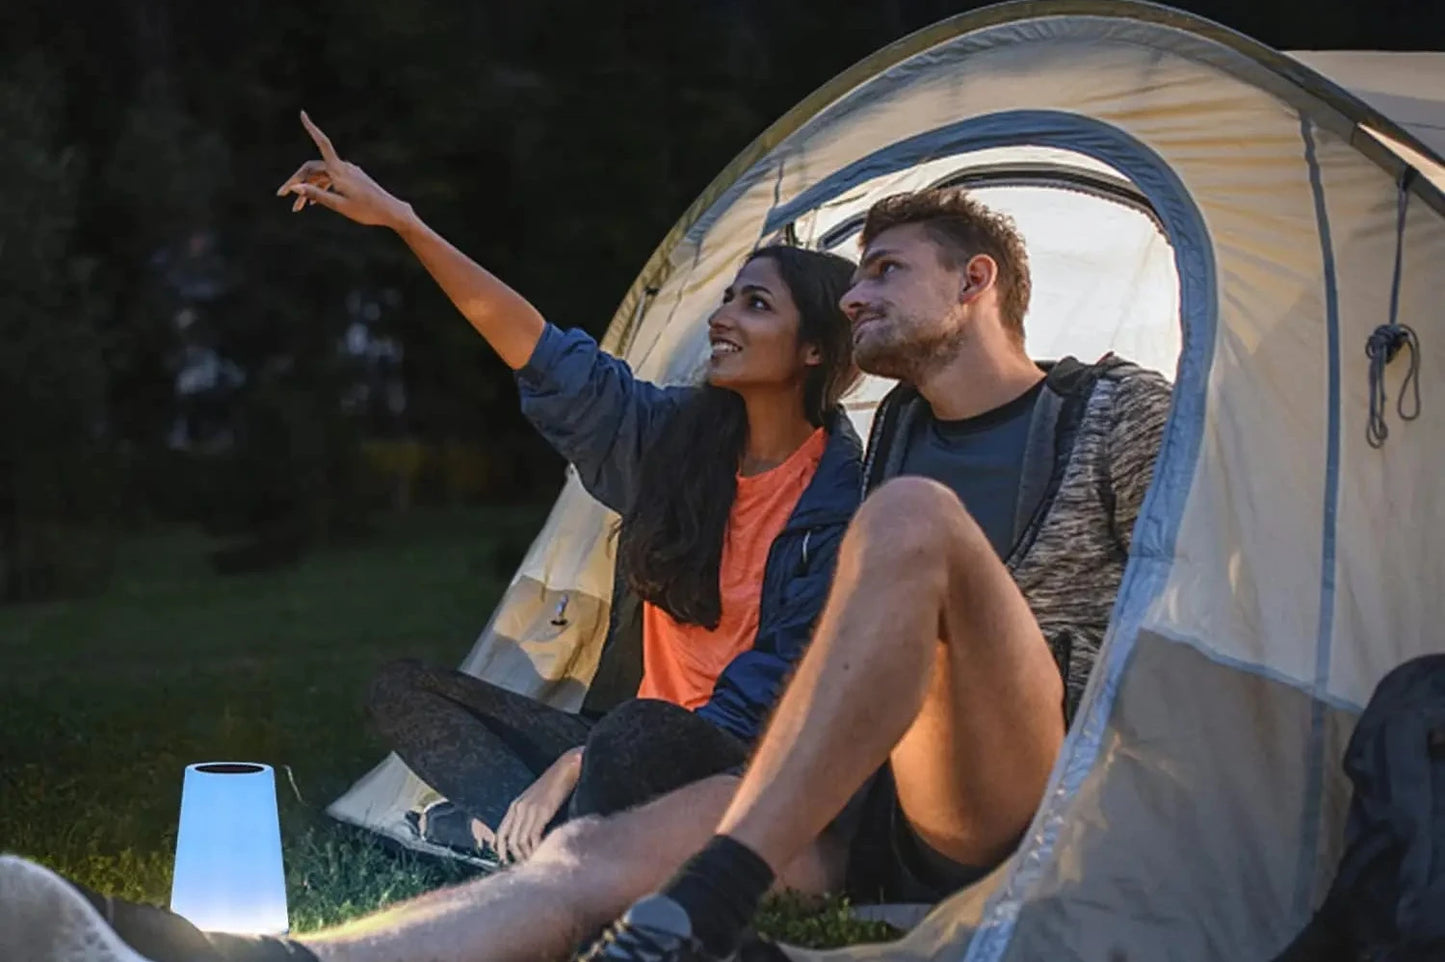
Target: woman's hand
527 818
501 315
342 186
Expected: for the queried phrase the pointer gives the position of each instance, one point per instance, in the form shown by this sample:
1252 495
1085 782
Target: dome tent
1205 206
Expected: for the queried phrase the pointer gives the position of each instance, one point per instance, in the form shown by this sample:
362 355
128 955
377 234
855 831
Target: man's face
904 305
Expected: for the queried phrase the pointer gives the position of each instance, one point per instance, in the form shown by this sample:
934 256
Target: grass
105 701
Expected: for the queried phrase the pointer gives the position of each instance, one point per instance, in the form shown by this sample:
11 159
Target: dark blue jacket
589 406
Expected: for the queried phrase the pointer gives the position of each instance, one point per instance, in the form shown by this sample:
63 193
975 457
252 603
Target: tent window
1056 176
1103 273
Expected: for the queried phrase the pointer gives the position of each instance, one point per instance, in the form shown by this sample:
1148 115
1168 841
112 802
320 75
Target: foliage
52 379
556 141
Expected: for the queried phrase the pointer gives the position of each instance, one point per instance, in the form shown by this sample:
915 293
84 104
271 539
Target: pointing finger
323 142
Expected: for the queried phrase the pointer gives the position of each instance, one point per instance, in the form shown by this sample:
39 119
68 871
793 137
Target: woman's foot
443 823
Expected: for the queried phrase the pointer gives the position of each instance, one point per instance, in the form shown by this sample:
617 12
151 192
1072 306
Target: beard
905 348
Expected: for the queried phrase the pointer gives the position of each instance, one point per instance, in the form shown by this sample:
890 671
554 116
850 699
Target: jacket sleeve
1140 411
588 405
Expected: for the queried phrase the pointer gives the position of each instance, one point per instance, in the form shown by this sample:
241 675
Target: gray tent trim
1312 815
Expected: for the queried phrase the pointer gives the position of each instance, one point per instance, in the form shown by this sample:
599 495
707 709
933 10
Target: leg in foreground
926 655
581 877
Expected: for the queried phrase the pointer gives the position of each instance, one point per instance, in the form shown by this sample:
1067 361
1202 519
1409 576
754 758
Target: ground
103 703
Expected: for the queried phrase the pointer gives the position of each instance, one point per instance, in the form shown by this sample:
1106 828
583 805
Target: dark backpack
1387 903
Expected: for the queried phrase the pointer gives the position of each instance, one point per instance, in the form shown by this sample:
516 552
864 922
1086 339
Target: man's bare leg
928 653
580 877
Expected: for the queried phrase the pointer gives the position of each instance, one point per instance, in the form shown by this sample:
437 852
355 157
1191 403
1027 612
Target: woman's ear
812 357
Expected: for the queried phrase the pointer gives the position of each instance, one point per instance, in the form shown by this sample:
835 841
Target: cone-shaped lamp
228 872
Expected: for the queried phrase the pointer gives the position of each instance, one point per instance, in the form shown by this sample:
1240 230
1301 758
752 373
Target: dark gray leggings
480 746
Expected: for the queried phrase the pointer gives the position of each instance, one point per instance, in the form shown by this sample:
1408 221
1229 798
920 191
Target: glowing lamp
228 873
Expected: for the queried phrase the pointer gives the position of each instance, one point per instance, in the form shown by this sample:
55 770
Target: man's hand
342 186
522 827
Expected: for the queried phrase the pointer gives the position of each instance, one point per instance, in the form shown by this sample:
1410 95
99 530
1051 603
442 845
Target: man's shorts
887 860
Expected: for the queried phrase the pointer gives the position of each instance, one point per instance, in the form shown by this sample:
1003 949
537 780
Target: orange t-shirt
681 663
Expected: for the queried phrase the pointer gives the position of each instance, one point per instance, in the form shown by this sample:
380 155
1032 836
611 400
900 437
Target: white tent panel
1244 579
561 555
1236 747
1388 598
1409 88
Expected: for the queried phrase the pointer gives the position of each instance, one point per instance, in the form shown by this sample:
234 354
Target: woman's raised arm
509 323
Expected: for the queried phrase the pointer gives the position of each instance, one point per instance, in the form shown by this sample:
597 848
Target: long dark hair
671 540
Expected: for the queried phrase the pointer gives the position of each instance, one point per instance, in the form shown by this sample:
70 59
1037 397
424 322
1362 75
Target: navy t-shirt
981 458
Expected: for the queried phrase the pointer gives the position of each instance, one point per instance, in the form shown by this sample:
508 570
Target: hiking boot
655 929
45 918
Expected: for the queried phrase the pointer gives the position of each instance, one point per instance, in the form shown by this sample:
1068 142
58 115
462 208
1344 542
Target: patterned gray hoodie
1093 438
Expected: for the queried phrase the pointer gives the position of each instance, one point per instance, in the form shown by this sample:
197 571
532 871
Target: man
937 690
972 592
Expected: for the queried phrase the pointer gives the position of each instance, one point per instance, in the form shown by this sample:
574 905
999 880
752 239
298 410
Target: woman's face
754 334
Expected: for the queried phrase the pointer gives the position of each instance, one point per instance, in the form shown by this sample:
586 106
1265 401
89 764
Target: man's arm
1141 410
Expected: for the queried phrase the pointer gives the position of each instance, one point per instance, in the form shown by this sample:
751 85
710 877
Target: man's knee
913 520
598 852
576 842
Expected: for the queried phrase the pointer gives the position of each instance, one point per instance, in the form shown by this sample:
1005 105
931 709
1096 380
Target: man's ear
978 276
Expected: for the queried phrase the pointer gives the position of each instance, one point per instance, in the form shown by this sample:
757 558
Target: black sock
720 888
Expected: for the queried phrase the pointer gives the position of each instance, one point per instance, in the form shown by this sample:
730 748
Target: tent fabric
1281 564
1409 88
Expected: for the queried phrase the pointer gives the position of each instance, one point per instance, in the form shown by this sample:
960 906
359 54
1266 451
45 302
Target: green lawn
103 703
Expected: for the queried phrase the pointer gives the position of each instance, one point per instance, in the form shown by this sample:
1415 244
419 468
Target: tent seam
1312 813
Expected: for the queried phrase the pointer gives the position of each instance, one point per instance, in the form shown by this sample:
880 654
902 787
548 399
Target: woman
733 497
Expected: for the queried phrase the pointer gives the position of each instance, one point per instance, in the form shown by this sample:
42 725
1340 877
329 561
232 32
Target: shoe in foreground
43 918
656 929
